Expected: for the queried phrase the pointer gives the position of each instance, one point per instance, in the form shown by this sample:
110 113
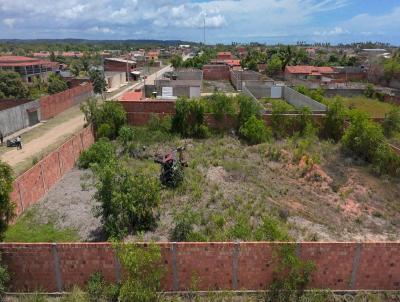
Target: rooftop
315 70
11 61
132 96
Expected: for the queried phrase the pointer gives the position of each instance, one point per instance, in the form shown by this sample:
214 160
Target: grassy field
373 107
29 229
304 189
269 103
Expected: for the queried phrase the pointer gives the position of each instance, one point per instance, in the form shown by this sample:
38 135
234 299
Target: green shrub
281 124
188 120
76 295
221 104
365 139
6 205
102 152
105 131
247 108
369 91
305 122
96 287
125 137
184 224
110 112
157 123
315 94
255 131
291 276
335 120
271 229
142 272
391 124
4 279
128 202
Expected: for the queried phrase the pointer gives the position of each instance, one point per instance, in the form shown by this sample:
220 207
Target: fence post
235 265
356 264
175 276
57 270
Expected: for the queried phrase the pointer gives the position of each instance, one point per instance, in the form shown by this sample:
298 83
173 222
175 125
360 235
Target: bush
142 273
366 140
188 120
247 108
109 113
162 124
56 84
255 131
334 121
271 229
95 287
4 279
281 124
221 104
291 276
6 205
105 131
102 152
184 223
391 124
305 122
128 202
125 137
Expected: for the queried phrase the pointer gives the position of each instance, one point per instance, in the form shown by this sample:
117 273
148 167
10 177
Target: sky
226 21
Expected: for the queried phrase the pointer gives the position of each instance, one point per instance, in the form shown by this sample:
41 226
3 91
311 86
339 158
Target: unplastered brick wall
217 266
216 72
55 104
31 186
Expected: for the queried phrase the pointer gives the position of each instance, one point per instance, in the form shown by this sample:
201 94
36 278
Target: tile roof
310 69
10 61
132 96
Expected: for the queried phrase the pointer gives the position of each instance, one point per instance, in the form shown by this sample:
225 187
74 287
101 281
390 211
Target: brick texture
216 72
52 105
33 266
31 186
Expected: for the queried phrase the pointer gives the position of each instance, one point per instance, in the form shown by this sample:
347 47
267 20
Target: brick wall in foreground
31 186
218 266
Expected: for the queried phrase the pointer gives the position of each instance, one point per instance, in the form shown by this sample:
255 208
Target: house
28 68
120 65
323 74
181 83
153 55
115 80
222 56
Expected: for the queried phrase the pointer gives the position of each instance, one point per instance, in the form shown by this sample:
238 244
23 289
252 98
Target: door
33 118
276 92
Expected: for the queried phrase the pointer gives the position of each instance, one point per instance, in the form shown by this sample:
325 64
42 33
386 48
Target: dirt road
37 145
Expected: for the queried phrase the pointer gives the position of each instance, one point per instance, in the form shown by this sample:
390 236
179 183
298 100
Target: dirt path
37 145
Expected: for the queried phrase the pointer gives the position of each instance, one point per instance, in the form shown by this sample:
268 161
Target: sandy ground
37 145
70 206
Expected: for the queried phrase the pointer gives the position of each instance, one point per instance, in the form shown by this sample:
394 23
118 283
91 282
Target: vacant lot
317 193
217 86
373 107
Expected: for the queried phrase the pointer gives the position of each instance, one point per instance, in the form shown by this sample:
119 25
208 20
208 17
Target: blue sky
270 21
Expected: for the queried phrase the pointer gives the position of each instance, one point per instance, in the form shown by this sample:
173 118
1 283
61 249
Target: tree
127 202
6 205
391 124
11 86
255 131
56 84
98 81
53 57
176 61
334 120
274 65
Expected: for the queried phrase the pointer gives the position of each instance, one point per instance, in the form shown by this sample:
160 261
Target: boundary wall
16 118
54 104
33 185
219 266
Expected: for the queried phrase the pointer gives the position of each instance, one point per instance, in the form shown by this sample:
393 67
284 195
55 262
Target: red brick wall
31 186
52 105
217 266
149 106
216 72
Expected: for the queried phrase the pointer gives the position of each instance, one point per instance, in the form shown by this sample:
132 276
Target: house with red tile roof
222 56
305 72
28 68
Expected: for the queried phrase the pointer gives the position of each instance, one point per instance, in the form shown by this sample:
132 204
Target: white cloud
9 22
332 32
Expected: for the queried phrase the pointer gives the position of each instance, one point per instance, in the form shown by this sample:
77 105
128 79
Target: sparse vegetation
6 205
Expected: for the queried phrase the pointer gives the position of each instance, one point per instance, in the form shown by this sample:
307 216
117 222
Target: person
1 138
19 142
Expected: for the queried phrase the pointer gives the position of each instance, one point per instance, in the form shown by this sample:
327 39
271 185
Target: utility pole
204 31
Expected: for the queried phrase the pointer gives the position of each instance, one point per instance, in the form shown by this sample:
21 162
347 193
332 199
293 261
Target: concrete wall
16 118
55 104
189 74
259 89
300 100
31 186
218 266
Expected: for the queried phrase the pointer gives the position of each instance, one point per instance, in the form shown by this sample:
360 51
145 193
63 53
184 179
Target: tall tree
56 84
98 81
11 86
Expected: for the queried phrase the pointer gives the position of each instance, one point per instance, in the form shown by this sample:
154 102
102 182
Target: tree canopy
11 86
